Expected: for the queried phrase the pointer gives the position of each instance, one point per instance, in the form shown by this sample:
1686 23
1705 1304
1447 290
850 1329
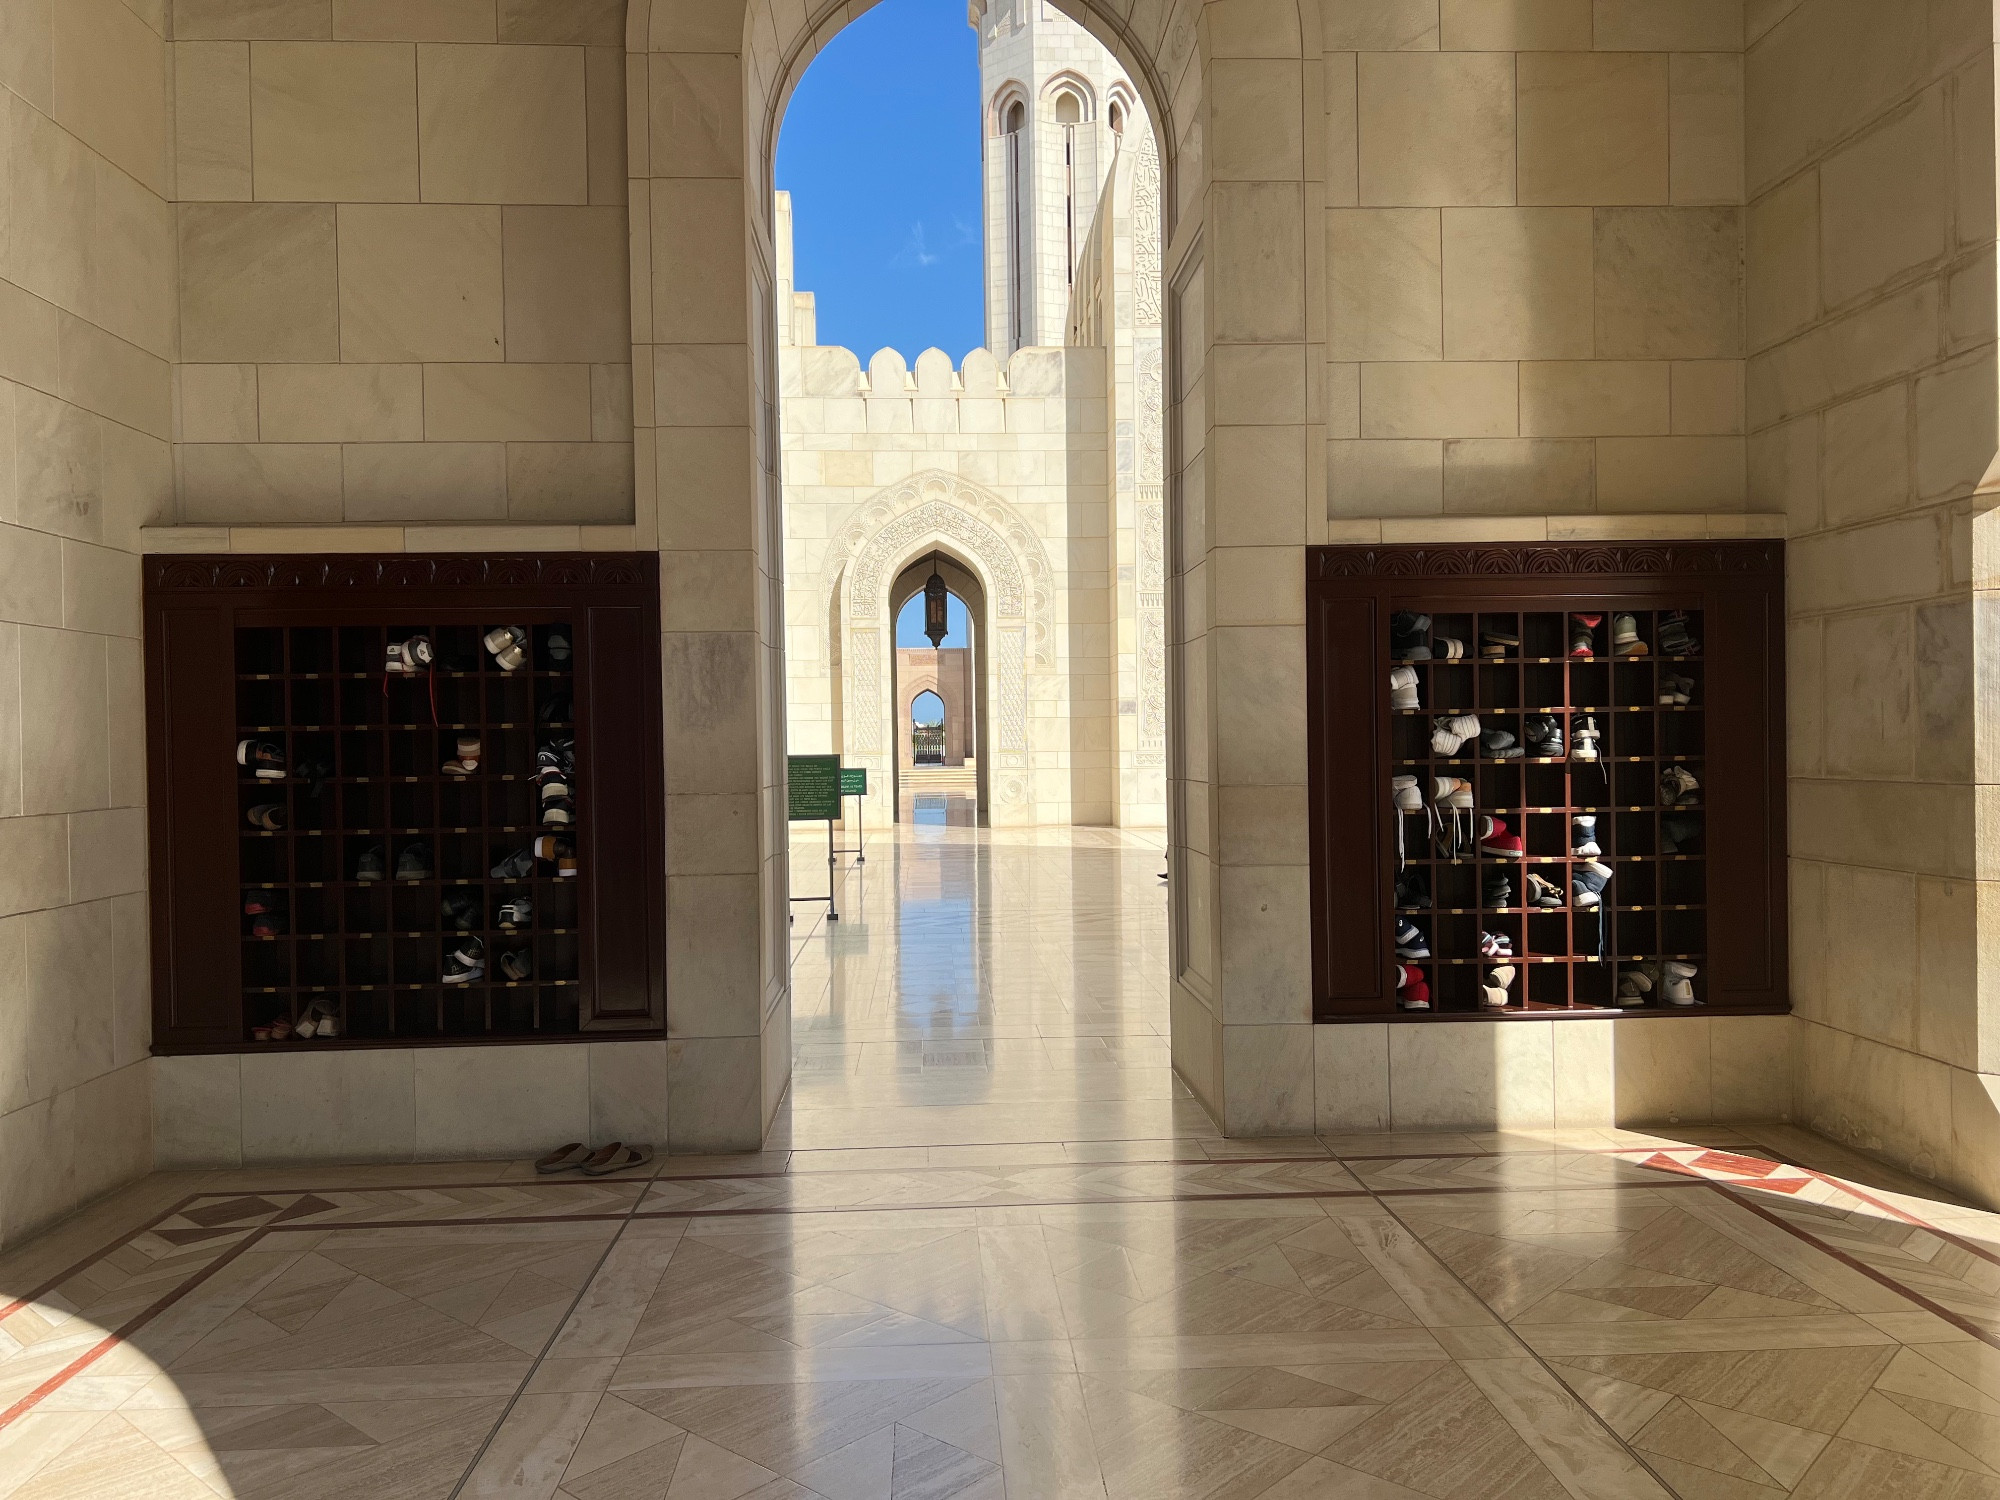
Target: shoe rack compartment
1696 876
381 863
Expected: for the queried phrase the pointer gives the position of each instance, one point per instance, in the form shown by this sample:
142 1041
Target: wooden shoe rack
1715 900
291 652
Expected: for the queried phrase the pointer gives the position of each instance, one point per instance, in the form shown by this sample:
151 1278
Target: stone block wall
404 284
1534 253
86 336
1873 410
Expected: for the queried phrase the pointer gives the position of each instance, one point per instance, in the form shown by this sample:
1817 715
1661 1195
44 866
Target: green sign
814 784
853 781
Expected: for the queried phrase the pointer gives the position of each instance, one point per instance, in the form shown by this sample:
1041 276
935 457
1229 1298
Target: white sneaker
1403 688
1680 983
1451 732
1493 993
1583 739
1583 835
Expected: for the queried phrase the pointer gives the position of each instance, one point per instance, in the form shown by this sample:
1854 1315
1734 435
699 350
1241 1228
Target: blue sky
910 623
879 149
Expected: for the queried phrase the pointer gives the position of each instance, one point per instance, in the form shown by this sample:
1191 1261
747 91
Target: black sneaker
517 911
267 913
1413 889
1543 734
1498 744
1498 891
1675 637
558 812
515 965
1407 636
1680 835
556 755
312 775
414 863
516 866
460 910
370 866
409 658
262 758
465 962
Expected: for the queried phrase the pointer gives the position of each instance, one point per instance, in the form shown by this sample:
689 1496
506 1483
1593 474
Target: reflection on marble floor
981 1299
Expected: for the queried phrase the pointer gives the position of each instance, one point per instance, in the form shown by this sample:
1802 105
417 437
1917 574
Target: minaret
1054 103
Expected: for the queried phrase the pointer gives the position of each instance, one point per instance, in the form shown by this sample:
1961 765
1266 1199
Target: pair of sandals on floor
577 1157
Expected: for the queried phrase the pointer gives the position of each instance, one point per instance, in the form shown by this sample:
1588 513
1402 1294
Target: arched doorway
1250 401
954 672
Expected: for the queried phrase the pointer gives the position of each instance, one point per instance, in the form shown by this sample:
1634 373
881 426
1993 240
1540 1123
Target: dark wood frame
1351 592
194 606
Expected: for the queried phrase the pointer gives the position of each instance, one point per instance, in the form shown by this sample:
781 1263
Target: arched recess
1234 91
1003 576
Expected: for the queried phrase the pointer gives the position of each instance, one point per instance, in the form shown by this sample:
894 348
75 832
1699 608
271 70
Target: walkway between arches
994 1252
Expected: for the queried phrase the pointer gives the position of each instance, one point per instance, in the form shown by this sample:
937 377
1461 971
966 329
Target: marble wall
1872 409
404 283
86 336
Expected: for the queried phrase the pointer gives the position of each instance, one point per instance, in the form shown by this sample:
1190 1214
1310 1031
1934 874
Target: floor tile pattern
1017 1292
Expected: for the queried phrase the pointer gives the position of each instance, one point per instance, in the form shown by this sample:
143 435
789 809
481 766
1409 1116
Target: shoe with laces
1450 733
508 645
558 812
1587 882
1637 985
1676 639
1583 740
1583 835
1493 992
414 863
465 961
1544 892
1583 634
262 758
1498 744
1625 637
1412 992
370 865
1494 839
1451 797
556 754
1410 941
409 658
517 912
459 910
467 760
1544 736
1678 788
1403 688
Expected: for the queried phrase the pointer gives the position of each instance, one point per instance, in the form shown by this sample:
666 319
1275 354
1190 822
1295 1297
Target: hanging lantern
936 626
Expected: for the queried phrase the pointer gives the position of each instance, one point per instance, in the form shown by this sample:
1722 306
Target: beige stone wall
404 283
1872 408
1534 252
86 333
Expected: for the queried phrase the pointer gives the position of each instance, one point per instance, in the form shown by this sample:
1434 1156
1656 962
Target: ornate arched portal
1235 89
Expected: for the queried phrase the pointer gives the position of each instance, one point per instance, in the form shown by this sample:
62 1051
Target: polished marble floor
996 1252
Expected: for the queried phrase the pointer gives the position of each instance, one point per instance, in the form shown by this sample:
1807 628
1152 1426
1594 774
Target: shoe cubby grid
364 752
1654 907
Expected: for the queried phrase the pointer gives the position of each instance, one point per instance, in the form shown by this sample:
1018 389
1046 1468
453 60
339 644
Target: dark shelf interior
1655 906
364 752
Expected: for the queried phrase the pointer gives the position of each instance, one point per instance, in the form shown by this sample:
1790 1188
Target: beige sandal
617 1157
564 1158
